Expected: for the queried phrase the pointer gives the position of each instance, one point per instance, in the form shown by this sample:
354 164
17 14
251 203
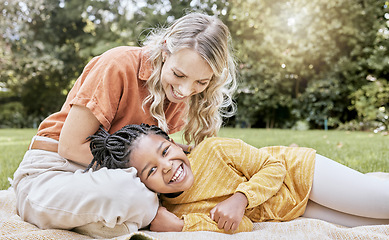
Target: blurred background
302 64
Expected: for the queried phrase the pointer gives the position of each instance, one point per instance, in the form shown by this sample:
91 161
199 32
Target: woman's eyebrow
183 74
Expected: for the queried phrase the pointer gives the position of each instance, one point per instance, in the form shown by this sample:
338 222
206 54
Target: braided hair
112 150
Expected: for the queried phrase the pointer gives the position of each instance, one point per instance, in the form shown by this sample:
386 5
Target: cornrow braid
112 150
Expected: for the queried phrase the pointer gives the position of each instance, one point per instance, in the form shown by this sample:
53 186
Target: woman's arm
186 148
79 124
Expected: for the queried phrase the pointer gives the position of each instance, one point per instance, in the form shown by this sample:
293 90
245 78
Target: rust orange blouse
113 87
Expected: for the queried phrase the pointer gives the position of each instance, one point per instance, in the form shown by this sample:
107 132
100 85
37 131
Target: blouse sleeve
202 222
265 173
102 82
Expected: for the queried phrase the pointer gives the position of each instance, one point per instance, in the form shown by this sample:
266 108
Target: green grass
13 145
365 152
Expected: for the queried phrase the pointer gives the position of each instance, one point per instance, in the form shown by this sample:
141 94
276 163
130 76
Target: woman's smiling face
162 166
184 74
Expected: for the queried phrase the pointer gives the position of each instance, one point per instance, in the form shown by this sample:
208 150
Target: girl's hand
229 213
166 221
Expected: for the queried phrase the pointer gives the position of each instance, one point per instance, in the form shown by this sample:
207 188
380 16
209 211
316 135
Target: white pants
347 197
53 192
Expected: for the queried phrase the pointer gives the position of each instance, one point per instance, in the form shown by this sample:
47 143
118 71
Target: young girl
183 70
225 184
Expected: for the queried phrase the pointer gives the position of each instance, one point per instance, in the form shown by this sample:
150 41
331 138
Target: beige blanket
12 227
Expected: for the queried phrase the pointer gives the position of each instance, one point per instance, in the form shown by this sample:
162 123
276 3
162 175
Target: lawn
365 152
13 145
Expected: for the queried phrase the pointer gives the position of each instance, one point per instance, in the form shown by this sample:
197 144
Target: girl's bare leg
347 197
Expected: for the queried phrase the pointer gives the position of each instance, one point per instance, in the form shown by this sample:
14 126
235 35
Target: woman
183 70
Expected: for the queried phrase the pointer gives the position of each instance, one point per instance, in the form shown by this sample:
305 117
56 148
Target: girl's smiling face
184 74
162 166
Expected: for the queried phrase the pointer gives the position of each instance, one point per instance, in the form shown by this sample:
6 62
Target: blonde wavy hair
210 37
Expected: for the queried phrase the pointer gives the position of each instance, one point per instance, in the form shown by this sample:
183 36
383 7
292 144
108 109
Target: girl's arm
229 213
264 172
265 176
166 221
202 222
79 124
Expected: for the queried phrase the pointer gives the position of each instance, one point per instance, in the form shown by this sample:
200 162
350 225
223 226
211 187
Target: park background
303 65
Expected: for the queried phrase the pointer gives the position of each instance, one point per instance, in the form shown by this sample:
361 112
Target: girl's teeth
177 174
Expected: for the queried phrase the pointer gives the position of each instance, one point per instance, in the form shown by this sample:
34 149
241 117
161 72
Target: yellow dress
276 181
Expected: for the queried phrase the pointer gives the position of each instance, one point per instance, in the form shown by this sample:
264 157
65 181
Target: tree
303 60
48 42
292 50
371 102
150 14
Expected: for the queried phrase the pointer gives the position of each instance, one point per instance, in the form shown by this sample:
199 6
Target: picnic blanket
12 227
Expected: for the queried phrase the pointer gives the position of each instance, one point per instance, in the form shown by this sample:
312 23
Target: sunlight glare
291 21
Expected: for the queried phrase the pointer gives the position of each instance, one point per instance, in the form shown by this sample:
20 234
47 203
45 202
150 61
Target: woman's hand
229 213
166 221
186 148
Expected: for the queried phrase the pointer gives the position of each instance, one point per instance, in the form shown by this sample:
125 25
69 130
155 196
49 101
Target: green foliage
301 126
372 102
306 57
304 60
154 13
322 100
42 60
12 115
49 43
